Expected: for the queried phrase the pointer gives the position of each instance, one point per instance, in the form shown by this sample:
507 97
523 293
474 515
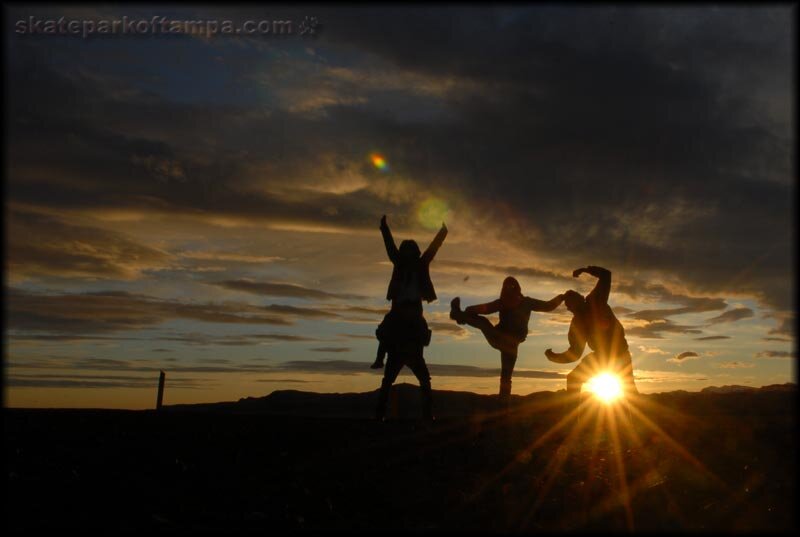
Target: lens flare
379 162
432 212
606 387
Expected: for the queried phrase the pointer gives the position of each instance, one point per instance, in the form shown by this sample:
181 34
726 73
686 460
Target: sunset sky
209 206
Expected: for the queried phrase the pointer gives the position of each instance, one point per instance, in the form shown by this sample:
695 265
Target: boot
455 310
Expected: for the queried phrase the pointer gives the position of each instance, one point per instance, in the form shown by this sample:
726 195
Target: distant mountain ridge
405 401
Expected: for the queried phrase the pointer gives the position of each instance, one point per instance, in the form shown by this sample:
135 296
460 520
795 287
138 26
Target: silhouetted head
510 294
409 251
574 301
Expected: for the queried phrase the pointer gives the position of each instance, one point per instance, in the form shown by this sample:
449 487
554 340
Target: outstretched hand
550 354
444 227
383 221
578 272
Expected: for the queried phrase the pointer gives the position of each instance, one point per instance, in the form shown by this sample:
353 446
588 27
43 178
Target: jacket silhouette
512 329
594 324
405 266
404 333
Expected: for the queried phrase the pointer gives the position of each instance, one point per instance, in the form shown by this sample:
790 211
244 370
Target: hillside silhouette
298 460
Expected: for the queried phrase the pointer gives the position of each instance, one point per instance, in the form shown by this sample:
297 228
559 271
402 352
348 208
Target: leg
626 372
393 366
507 362
378 363
580 374
420 370
496 338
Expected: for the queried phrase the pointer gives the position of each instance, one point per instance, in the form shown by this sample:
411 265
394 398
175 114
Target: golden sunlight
606 386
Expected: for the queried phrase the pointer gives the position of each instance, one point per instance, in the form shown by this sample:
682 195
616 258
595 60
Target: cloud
450 370
332 349
232 257
735 365
240 340
18 380
41 245
731 316
711 338
142 366
653 330
300 312
450 328
293 381
104 312
461 267
652 350
525 157
281 289
356 336
682 357
774 354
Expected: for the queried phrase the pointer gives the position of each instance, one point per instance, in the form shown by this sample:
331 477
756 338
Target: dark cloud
18 380
449 370
682 357
639 290
735 365
238 340
711 338
281 381
732 315
653 330
281 289
648 140
295 311
356 336
449 328
109 364
774 354
102 312
41 245
332 349
468 266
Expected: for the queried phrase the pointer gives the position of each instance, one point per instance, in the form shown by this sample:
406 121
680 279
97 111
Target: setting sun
606 386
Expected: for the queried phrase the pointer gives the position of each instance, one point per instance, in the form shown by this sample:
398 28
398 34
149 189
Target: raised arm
540 305
484 309
577 343
603 286
435 245
388 240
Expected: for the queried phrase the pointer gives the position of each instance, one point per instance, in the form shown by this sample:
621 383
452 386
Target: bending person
404 333
594 323
515 313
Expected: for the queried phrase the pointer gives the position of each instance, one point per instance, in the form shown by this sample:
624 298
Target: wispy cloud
774 354
732 316
282 289
682 357
736 365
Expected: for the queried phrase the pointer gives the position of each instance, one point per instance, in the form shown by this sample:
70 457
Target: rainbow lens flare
379 162
432 212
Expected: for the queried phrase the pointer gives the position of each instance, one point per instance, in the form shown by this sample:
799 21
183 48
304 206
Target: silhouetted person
404 333
515 312
594 323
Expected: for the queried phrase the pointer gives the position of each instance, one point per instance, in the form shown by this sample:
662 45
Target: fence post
161 378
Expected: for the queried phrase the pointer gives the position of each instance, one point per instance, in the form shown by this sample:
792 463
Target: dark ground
222 469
